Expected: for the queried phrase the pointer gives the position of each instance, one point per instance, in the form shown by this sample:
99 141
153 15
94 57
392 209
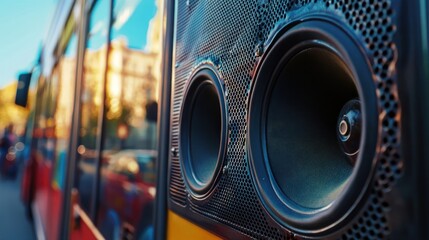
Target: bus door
58 127
127 175
92 75
114 182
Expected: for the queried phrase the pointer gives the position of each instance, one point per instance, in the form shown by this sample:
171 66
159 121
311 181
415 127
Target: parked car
128 190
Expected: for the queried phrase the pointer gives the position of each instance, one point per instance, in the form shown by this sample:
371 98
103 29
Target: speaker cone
312 127
301 139
203 132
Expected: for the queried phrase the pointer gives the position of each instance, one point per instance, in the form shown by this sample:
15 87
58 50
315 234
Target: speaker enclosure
233 37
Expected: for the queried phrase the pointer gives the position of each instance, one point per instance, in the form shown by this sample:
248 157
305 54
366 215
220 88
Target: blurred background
23 26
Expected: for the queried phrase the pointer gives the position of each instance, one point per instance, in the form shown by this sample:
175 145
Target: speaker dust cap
312 127
203 132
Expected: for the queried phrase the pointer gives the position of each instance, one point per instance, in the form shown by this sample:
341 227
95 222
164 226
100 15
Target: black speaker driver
203 132
304 174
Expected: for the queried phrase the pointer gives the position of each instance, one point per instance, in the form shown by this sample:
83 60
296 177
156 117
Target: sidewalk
13 221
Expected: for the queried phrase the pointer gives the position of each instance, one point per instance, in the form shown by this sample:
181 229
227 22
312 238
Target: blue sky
133 17
23 25
136 26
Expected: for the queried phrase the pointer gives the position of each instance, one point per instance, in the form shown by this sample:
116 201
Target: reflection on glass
63 87
46 120
128 173
91 100
58 127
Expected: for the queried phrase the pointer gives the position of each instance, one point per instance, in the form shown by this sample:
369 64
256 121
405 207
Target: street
13 221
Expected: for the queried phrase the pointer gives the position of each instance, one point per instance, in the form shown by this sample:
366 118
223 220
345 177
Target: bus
203 119
91 169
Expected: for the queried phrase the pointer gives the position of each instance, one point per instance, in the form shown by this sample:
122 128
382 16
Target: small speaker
203 131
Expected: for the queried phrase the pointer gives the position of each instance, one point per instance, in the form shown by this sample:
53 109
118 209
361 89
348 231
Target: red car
128 190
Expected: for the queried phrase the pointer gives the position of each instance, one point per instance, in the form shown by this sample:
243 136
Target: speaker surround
309 72
203 131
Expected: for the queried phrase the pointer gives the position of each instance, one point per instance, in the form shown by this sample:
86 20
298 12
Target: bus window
40 118
64 86
48 118
127 186
64 109
91 100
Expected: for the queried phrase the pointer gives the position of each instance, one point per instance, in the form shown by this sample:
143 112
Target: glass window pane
63 89
129 156
58 128
91 101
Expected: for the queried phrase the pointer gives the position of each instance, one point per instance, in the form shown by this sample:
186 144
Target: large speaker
301 119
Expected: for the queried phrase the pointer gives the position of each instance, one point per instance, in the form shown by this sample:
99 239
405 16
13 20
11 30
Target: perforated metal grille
373 22
226 34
